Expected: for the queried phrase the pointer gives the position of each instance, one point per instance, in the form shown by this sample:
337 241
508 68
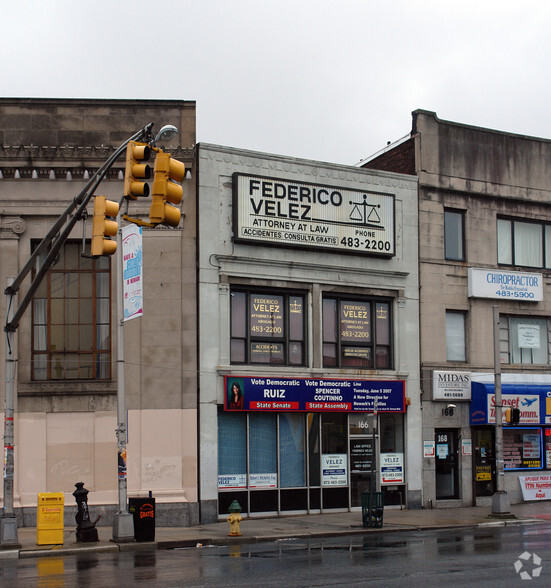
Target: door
484 462
447 478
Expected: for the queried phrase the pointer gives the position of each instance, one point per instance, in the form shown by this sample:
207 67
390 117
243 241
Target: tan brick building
484 242
66 341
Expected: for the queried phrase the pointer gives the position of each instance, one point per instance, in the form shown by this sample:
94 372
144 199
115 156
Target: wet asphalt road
484 556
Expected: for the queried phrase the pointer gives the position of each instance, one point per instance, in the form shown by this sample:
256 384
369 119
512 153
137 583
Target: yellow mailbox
49 518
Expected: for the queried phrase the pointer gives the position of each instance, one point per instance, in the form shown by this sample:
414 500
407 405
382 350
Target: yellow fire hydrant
235 519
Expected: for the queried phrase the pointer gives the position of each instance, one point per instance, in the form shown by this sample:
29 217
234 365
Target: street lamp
166 133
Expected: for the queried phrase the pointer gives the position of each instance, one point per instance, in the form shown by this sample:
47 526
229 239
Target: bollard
235 519
86 529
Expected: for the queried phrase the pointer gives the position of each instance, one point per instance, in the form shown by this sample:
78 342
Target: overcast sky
324 80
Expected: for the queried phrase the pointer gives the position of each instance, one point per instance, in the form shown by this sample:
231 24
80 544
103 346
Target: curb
112 547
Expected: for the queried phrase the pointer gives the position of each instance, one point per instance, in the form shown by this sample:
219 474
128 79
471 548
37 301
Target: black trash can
143 511
373 506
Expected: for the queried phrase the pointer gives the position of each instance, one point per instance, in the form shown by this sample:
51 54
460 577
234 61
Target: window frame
459 237
507 338
247 339
44 357
374 345
512 254
463 314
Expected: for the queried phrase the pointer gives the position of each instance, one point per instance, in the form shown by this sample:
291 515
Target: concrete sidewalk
280 528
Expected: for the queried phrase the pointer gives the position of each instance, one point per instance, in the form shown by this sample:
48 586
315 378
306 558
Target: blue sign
313 394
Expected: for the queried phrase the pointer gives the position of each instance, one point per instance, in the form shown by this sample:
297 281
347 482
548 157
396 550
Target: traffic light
103 227
512 416
166 191
136 171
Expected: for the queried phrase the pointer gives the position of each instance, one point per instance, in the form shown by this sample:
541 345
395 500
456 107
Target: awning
533 400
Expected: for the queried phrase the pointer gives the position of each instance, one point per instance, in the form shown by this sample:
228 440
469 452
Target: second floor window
454 235
357 333
71 319
524 243
267 327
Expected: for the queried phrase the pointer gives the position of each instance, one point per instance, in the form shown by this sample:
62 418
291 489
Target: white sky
330 81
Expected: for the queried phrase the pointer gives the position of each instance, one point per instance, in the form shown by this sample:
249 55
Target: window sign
392 468
528 336
263 480
232 481
361 455
266 315
466 446
300 214
442 450
429 448
355 321
522 449
334 469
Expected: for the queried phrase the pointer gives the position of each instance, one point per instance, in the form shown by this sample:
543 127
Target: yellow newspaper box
49 518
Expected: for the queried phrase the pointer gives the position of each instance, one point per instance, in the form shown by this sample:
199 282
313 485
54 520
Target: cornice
29 154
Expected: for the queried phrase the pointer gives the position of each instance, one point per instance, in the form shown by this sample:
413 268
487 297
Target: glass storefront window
297 462
232 449
292 450
262 450
522 449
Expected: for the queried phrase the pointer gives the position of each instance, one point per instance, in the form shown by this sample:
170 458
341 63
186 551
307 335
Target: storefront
526 445
308 291
307 445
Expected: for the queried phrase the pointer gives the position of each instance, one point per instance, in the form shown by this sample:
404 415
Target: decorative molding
12 227
74 152
63 388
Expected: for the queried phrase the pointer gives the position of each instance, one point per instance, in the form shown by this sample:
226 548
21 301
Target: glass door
447 486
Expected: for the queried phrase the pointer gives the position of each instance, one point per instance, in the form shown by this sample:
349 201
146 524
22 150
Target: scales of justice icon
365 213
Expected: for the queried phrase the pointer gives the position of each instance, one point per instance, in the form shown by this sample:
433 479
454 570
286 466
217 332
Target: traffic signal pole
53 242
500 500
123 526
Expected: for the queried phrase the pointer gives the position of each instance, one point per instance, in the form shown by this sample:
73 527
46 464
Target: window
357 333
522 449
71 337
455 336
267 328
454 235
524 340
524 243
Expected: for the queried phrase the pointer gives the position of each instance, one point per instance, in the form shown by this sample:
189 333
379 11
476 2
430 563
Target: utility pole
8 522
52 244
500 500
123 527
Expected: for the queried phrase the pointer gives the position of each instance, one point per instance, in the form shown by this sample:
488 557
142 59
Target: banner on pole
132 279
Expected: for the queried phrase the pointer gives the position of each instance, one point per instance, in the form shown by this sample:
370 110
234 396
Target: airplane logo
528 402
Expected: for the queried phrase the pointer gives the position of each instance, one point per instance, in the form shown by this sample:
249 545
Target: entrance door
484 462
447 486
